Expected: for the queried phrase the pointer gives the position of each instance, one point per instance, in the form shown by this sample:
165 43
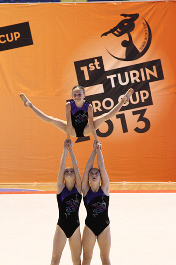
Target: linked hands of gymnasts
68 144
97 145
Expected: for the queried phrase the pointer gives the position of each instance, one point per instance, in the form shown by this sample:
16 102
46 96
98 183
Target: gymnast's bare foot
127 95
25 100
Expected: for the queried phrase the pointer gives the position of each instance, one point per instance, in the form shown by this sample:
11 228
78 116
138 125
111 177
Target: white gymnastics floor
143 228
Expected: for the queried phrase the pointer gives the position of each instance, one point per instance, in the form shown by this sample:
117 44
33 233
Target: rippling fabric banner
47 49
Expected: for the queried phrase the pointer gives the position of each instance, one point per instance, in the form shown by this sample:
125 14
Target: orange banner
47 49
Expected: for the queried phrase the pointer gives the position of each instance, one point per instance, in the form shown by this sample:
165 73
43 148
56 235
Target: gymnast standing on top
79 114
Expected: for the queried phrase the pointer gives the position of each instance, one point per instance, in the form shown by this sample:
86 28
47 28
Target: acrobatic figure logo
125 29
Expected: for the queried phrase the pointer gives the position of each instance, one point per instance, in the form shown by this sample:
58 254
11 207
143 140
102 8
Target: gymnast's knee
76 261
55 261
105 260
87 258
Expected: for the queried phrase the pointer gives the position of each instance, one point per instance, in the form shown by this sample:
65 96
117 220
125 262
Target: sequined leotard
68 204
79 117
96 204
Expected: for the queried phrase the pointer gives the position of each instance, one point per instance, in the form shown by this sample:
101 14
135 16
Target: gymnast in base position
95 188
69 199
